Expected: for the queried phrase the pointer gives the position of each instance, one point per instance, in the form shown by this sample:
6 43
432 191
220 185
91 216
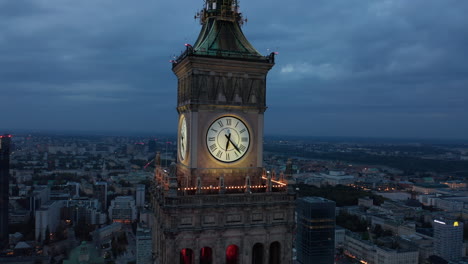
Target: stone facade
217 221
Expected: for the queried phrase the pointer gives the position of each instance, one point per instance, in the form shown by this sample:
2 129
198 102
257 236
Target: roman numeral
220 123
242 131
213 147
211 139
214 130
227 156
242 147
244 139
219 154
237 155
228 122
236 124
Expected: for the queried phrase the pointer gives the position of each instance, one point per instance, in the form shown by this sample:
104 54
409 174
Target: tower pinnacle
221 10
221 34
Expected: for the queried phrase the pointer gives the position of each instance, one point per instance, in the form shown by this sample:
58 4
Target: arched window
257 254
232 254
275 253
206 255
186 256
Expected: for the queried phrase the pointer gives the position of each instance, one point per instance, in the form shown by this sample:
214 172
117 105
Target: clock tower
221 100
218 204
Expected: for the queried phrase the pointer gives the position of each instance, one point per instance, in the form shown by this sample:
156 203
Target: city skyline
378 69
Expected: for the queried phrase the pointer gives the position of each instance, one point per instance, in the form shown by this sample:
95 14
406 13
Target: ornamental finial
221 10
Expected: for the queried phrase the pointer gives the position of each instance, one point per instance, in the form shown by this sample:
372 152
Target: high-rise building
144 245
5 142
47 219
140 195
123 210
448 239
315 232
83 210
218 204
100 193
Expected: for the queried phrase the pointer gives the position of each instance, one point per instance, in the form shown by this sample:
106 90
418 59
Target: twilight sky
379 68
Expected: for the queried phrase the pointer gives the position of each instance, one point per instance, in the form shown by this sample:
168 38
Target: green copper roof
84 254
224 38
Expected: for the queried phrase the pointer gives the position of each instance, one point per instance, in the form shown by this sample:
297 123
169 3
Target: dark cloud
366 68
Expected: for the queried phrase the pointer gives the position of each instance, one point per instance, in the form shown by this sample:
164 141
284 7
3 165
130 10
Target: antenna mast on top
221 10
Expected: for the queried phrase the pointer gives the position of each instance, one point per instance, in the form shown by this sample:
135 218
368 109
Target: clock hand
235 146
227 142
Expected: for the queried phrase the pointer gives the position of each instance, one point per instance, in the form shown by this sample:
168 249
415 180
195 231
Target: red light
206 255
186 256
232 254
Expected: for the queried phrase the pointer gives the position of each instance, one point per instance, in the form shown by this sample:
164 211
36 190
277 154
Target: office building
5 143
47 219
123 210
83 210
364 251
448 239
144 245
140 195
315 232
100 193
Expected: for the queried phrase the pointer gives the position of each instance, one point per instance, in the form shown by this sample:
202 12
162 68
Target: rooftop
221 34
314 199
431 185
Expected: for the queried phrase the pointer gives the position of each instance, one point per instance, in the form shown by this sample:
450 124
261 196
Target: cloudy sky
377 68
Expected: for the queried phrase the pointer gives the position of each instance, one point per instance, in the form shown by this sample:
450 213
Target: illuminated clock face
183 138
228 139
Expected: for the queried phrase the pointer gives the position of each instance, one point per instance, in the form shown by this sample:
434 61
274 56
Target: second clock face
183 138
228 139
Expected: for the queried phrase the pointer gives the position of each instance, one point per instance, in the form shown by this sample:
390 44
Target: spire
221 35
222 10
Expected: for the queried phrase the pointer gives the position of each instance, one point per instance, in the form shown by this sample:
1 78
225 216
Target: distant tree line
342 195
409 165
351 222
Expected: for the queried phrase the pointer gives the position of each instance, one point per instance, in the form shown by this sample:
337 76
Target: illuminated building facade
5 142
47 219
315 233
448 239
218 204
140 195
364 251
123 210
